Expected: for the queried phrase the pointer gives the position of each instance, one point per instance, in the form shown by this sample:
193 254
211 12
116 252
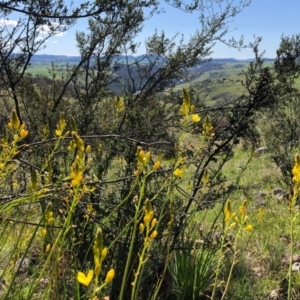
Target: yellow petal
58 132
85 280
195 118
249 228
178 173
23 133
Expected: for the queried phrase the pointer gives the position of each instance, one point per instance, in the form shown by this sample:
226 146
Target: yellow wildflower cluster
79 165
18 129
296 181
179 170
60 127
233 219
186 108
100 254
207 128
143 159
149 224
186 104
296 169
148 229
49 217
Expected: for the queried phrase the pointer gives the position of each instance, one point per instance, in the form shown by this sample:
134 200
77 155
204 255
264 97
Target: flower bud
48 247
154 222
15 120
97 269
153 235
104 253
142 228
156 166
110 276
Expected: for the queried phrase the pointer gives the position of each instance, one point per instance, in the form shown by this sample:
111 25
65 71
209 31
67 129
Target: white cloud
46 29
60 34
7 22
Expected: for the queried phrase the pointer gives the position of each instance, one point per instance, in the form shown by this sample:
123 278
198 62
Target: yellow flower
110 276
296 169
77 178
148 217
85 280
249 227
178 173
44 232
58 132
142 157
23 133
195 118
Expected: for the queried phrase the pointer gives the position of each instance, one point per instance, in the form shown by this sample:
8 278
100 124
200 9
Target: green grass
39 69
262 257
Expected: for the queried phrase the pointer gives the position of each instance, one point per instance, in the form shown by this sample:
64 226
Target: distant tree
280 125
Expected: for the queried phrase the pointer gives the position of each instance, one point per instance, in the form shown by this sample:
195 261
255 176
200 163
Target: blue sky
267 18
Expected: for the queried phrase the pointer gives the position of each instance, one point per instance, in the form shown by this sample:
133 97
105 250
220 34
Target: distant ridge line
46 58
